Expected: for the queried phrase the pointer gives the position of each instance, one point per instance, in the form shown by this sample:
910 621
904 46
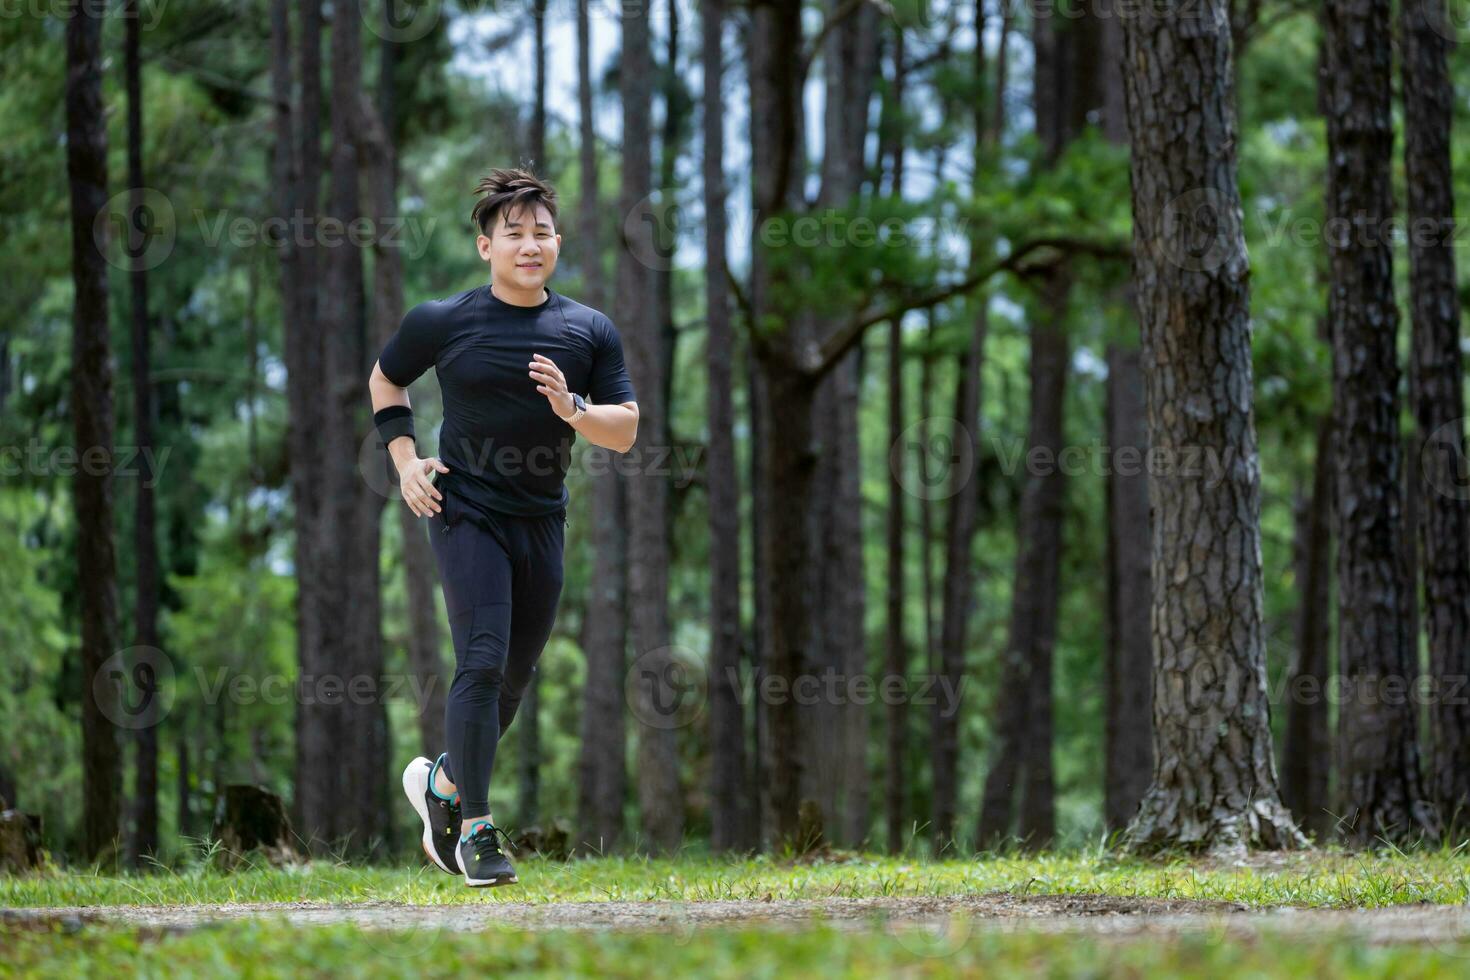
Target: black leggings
502 578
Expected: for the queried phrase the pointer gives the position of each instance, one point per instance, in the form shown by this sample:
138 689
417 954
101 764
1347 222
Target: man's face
522 247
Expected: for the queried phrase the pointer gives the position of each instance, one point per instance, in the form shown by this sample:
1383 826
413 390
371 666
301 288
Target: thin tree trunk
896 770
1128 753
185 791
788 389
729 794
92 428
356 763
145 542
1024 713
296 169
602 767
1384 796
1022 759
660 797
896 664
1129 749
1306 751
1214 777
960 575
381 174
1437 387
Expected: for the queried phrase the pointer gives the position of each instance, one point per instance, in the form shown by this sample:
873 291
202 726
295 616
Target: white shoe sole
414 790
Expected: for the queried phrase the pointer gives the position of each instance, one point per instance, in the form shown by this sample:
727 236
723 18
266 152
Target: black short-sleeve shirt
506 450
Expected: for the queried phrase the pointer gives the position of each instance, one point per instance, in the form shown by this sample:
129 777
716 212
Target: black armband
394 421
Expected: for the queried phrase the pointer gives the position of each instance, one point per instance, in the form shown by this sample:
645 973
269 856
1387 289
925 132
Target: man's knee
477 685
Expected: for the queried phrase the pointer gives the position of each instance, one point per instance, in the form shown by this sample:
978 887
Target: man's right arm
414 482
410 352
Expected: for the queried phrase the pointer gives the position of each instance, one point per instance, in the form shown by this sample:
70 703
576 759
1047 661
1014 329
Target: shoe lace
486 841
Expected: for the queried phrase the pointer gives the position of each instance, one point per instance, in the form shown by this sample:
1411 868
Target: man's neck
518 297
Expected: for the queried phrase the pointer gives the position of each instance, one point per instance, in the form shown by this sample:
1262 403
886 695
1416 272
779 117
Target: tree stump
811 833
20 840
251 820
553 842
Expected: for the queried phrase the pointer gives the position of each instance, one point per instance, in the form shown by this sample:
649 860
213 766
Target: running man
513 358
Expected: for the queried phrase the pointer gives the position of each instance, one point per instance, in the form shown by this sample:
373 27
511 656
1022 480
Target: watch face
579 402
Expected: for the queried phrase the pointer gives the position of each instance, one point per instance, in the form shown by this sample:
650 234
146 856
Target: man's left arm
613 427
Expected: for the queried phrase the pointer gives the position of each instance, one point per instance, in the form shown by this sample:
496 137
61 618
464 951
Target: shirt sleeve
413 348
610 384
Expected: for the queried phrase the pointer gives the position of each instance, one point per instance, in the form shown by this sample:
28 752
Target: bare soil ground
949 918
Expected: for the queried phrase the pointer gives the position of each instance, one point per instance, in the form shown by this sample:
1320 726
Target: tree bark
1128 753
729 793
895 762
145 541
660 796
1214 778
351 762
961 515
896 769
1437 387
1306 751
423 642
92 428
185 782
1022 760
1384 796
789 386
1024 713
602 766
297 176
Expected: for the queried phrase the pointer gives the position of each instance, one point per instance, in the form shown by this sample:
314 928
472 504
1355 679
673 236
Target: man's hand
413 482
553 384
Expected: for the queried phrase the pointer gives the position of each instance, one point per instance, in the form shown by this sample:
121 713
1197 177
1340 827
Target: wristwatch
581 409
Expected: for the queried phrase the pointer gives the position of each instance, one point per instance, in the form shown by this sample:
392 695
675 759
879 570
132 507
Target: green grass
267 949
1321 880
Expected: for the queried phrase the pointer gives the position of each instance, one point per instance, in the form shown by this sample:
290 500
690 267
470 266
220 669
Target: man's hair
512 192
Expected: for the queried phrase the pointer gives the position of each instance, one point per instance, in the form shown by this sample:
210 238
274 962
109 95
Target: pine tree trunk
895 757
380 176
185 784
1306 751
660 796
1384 796
297 167
729 793
92 428
1214 778
145 542
1128 753
354 764
782 463
1022 759
601 767
1437 387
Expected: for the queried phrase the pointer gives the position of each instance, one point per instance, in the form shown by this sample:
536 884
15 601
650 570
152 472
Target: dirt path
935 922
